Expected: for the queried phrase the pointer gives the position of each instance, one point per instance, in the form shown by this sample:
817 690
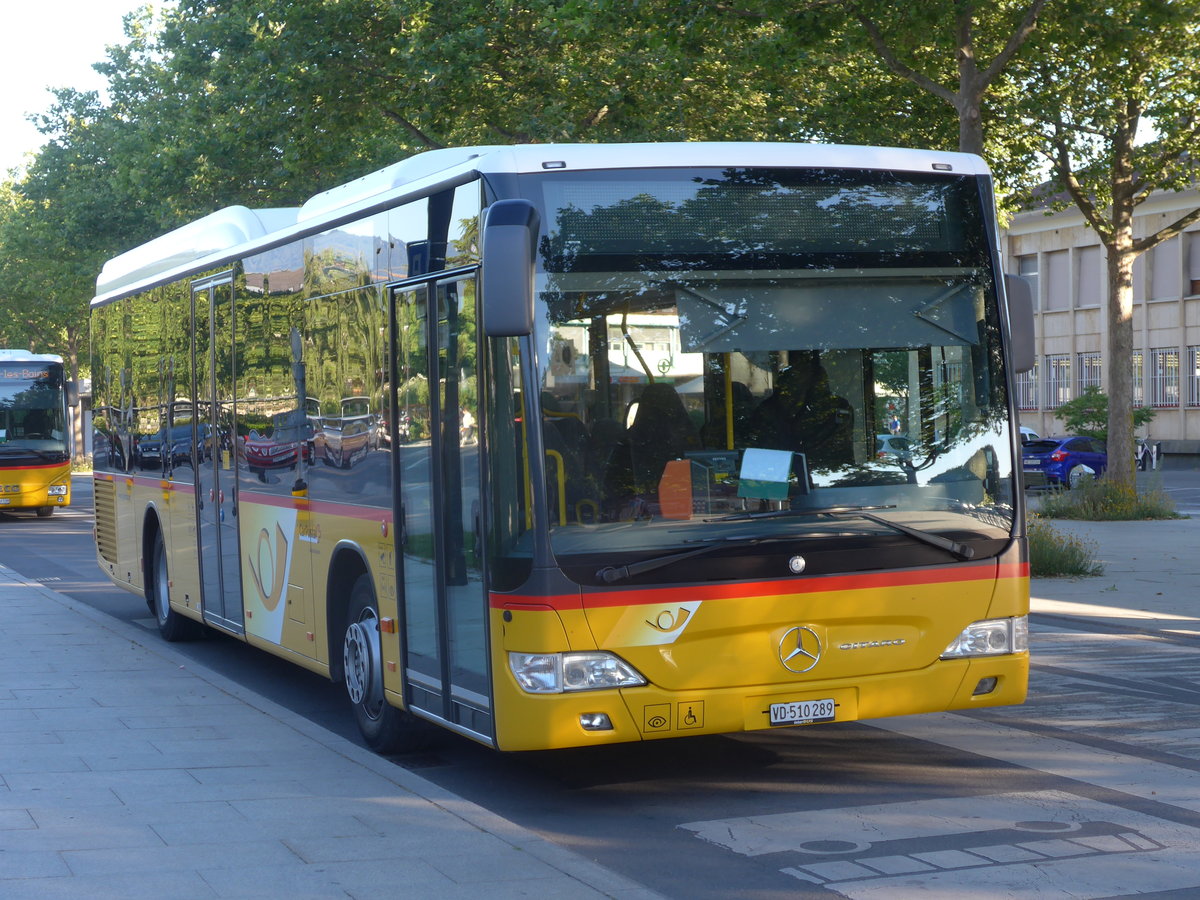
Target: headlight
991 637
554 673
57 490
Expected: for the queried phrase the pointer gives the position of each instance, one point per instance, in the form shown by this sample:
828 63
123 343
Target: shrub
1052 554
1103 501
1088 414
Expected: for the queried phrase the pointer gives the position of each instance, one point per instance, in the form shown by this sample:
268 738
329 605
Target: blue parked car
1063 461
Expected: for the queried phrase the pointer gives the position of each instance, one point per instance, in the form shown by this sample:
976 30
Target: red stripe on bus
374 513
11 466
985 571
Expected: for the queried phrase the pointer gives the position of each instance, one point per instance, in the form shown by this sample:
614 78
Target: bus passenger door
444 598
216 454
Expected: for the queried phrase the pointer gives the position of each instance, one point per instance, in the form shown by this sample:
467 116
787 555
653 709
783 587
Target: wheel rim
364 672
162 603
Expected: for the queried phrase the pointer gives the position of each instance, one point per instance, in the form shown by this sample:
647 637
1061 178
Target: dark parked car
1063 461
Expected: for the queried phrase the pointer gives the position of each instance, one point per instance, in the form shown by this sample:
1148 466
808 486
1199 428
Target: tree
875 72
1087 414
1092 85
56 232
918 42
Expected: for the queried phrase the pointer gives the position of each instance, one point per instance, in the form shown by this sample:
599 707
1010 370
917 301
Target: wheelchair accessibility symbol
690 714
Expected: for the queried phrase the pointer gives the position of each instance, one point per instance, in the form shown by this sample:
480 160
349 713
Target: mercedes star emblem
799 649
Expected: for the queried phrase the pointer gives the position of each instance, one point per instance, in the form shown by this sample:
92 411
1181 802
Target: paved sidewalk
1151 579
127 771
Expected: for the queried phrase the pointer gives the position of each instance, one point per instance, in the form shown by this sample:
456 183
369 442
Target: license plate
802 712
1030 463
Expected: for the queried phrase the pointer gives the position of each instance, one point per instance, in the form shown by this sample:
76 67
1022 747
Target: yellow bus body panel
714 662
29 488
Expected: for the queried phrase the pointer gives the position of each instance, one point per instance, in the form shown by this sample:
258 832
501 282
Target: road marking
1094 610
1127 773
1046 844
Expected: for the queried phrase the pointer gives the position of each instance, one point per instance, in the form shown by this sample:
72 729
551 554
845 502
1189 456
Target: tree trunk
970 124
1119 367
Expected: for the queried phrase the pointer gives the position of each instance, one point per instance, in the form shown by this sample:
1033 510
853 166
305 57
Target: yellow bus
631 485
35 460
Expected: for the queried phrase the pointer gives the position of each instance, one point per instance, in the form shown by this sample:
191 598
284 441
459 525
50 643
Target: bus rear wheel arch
385 728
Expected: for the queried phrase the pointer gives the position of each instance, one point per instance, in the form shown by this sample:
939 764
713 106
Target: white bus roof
213 240
223 230
26 356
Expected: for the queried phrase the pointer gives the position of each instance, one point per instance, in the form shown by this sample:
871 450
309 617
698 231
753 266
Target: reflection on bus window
673 344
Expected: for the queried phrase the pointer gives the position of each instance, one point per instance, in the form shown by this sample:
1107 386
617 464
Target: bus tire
45 512
171 625
385 728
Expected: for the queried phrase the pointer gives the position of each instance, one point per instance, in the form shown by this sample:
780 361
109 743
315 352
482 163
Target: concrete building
1064 258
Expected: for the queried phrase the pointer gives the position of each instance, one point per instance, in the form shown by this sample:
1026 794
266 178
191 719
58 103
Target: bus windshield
721 343
31 409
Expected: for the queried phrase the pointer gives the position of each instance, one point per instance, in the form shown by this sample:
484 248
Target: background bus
35 462
639 493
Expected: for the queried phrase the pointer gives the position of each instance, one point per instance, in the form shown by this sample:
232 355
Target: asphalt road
1014 802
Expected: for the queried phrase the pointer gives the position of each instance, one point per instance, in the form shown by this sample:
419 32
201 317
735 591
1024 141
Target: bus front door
444 600
216 454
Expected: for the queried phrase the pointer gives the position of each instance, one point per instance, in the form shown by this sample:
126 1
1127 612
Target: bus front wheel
385 728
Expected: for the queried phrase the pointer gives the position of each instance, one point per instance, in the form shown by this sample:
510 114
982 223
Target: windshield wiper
962 551
610 574
800 511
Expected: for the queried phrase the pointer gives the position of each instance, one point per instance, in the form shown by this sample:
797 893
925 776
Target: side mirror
72 393
510 230
1020 322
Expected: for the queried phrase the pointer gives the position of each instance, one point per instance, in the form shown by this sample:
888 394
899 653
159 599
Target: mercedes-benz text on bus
568 445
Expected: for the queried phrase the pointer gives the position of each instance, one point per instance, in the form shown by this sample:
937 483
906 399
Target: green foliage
1106 501
1053 554
1087 414
1091 81
212 103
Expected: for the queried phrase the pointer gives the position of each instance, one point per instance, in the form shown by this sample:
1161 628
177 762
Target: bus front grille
106 520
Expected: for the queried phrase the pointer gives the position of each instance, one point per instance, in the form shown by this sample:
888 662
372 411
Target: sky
50 44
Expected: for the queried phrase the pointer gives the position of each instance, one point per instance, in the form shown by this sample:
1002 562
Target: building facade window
1139 389
1091 371
1089 277
1058 280
1027 267
1193 376
1027 389
1165 268
1192 248
1164 377
1058 380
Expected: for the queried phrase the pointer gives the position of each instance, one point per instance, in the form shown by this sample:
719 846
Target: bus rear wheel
385 728
171 625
